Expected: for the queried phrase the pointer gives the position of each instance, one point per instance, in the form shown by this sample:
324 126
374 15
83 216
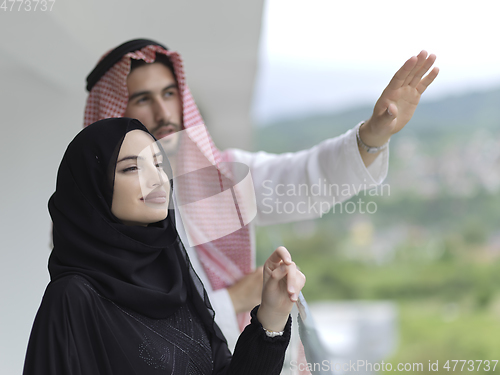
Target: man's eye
142 99
168 94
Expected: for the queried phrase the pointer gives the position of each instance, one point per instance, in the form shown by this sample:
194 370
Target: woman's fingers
279 255
279 273
282 274
291 276
301 281
291 282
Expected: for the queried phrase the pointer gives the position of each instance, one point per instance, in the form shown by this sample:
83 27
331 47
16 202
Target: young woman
123 297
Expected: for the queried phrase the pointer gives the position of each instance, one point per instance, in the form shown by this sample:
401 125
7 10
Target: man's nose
162 111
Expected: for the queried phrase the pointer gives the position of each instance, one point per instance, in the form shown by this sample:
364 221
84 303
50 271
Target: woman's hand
282 284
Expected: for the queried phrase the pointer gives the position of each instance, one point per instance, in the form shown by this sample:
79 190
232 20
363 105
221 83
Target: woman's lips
156 197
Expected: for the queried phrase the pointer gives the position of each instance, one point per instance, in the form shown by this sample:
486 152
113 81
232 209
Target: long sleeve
255 352
305 184
65 339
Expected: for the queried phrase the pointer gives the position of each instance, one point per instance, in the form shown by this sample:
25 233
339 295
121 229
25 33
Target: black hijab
144 269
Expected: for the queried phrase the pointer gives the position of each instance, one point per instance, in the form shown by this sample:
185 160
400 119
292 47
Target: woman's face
141 187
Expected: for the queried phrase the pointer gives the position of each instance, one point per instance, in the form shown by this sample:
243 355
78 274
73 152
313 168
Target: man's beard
170 141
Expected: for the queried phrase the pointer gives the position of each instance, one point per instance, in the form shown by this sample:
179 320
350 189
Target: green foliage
432 331
449 307
436 255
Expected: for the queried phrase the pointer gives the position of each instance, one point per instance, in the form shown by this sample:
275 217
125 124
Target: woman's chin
159 215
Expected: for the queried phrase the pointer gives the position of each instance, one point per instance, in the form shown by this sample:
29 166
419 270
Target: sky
326 55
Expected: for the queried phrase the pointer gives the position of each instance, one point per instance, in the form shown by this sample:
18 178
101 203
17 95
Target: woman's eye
130 169
159 165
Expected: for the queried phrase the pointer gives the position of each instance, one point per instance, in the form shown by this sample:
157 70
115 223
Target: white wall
44 59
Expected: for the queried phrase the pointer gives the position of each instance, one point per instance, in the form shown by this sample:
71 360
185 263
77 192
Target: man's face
154 99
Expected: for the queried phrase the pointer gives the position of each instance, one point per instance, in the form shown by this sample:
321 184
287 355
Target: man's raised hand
398 101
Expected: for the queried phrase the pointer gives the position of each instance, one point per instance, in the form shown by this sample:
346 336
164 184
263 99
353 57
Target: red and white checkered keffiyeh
226 259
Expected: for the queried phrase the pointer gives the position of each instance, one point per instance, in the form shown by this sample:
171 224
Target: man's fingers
421 58
425 67
258 271
428 79
403 72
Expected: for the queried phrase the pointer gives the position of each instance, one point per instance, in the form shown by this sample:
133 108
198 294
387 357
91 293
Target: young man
143 80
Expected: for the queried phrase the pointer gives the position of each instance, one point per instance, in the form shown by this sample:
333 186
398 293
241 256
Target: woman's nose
153 175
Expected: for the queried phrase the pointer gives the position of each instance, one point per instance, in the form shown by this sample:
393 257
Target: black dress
125 299
77 331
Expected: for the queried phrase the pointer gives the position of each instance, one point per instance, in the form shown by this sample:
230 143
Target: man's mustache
165 124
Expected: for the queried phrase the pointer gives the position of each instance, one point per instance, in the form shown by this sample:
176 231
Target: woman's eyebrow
131 157
135 157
